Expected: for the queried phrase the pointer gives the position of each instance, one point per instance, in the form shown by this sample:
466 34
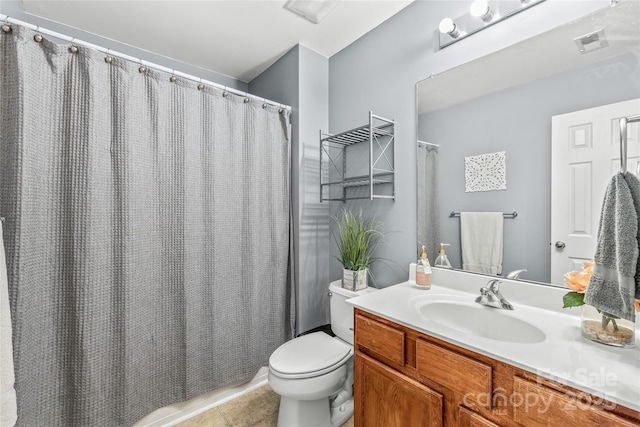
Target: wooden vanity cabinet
406 378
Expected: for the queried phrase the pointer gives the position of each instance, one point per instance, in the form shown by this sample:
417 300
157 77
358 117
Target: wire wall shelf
359 163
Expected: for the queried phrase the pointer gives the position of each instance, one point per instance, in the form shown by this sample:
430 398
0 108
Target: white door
585 154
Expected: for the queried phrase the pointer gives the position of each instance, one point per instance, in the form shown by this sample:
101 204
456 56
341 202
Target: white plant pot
354 280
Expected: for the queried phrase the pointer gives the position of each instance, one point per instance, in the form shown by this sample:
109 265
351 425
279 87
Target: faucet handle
484 294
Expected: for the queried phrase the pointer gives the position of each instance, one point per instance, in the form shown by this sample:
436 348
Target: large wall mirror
516 101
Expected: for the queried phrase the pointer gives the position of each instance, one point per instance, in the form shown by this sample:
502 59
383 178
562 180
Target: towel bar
504 214
623 139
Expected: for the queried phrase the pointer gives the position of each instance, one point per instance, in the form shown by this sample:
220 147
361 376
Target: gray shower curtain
428 202
147 234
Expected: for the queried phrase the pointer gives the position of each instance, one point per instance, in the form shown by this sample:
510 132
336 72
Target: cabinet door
471 419
386 398
454 371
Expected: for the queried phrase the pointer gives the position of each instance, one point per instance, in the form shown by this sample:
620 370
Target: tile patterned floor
258 408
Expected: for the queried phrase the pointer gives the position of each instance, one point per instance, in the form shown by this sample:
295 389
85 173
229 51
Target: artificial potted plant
356 238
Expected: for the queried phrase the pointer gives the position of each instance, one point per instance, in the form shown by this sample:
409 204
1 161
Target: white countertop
564 356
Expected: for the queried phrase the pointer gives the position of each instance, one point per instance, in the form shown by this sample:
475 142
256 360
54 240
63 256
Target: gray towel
634 187
614 283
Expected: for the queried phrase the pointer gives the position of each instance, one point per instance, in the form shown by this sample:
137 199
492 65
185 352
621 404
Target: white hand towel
8 408
481 238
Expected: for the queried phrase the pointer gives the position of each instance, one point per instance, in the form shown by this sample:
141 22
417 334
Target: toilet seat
309 356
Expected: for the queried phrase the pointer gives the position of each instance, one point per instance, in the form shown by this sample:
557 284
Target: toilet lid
312 354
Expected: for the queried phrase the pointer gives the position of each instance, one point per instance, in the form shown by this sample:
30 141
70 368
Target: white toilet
313 374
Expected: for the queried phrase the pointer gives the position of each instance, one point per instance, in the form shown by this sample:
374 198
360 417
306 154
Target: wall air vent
591 41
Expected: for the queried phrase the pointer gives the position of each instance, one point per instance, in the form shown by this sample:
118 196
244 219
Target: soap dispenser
423 270
442 261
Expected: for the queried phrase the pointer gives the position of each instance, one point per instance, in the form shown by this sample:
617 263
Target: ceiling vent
591 41
311 10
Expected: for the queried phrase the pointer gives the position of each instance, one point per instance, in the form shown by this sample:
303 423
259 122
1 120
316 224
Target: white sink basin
482 321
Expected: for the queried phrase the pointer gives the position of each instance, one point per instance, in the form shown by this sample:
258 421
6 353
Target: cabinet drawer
454 371
382 339
468 418
536 405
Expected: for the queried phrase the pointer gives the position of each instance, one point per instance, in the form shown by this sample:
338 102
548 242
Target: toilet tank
341 312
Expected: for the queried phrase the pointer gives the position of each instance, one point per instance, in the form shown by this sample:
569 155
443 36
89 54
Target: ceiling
238 38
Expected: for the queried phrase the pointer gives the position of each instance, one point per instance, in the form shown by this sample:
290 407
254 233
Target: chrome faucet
515 274
491 297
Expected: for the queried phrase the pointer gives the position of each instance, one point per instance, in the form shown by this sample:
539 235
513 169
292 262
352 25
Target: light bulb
480 9
447 26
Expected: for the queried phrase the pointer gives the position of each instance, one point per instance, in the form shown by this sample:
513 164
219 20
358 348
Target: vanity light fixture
482 14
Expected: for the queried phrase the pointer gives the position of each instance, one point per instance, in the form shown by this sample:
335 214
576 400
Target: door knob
560 245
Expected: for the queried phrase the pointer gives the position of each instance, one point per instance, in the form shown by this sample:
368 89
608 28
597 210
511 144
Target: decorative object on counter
442 260
606 328
614 285
486 172
423 270
357 238
597 325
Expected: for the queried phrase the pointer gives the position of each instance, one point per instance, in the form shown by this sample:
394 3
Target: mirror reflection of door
585 155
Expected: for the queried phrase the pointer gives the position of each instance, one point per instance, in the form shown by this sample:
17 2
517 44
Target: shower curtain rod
8 20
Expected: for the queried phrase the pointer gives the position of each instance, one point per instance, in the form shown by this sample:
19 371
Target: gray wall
518 121
301 79
14 9
379 71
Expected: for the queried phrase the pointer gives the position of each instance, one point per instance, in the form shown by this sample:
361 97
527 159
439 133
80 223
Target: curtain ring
201 85
280 110
173 78
246 100
142 68
37 37
73 48
6 28
264 103
108 59
225 93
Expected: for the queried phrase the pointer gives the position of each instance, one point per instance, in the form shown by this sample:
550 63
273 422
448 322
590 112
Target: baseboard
180 412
